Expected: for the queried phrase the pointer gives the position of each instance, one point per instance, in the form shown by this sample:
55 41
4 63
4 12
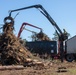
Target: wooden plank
13 67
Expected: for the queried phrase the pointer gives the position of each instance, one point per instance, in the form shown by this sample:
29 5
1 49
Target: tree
55 38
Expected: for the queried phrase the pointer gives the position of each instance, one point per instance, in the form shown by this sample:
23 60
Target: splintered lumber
12 67
12 52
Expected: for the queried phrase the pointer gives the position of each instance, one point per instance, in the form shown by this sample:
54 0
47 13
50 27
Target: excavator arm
43 11
61 35
22 28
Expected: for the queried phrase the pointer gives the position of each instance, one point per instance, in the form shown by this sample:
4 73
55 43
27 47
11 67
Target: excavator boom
23 25
43 11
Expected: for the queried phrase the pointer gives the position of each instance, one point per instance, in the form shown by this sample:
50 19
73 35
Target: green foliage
55 38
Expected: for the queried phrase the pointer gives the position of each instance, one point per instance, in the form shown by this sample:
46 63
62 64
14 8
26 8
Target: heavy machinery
62 36
23 27
70 46
35 36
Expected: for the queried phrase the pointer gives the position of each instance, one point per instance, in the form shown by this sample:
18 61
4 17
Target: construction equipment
9 26
36 36
23 27
62 36
70 46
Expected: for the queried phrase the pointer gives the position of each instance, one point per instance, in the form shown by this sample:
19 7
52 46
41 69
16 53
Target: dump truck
52 48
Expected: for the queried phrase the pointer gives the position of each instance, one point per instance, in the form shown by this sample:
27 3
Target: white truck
70 48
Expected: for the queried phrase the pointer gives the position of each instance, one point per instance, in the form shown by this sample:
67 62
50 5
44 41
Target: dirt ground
50 68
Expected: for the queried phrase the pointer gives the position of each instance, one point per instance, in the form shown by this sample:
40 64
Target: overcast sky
62 11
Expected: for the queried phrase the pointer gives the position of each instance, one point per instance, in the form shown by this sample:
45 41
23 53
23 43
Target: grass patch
72 71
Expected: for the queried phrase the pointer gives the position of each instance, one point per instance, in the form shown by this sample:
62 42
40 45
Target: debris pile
42 36
11 50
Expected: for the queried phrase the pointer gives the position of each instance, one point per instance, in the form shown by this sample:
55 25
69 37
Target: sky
63 13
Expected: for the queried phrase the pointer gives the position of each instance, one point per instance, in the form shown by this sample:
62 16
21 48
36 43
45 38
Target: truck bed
42 47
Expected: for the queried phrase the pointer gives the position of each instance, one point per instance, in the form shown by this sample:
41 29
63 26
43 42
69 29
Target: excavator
35 36
61 35
23 27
